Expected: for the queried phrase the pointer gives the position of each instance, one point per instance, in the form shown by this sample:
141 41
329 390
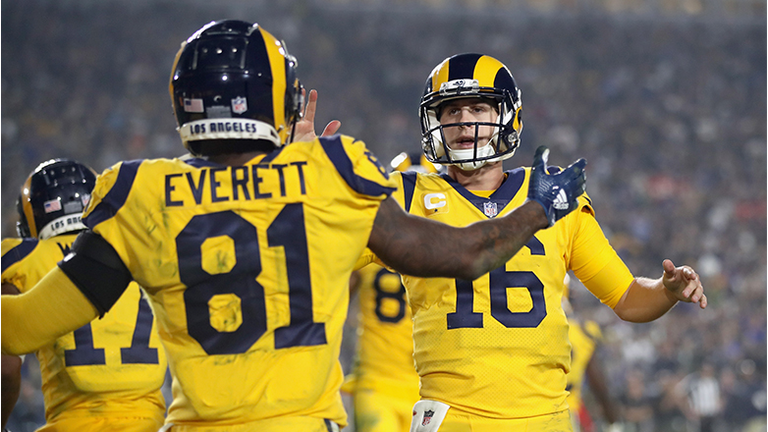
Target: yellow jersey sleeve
115 364
595 262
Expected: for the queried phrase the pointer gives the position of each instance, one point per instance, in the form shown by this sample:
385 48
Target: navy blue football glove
558 193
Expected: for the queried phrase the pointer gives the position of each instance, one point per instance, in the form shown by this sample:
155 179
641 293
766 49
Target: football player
585 337
246 251
492 352
105 375
384 384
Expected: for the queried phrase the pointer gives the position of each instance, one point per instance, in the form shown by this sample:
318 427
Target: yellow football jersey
498 346
584 338
112 367
247 270
385 335
385 384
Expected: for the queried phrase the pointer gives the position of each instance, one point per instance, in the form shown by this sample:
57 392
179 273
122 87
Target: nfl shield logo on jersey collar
427 417
490 209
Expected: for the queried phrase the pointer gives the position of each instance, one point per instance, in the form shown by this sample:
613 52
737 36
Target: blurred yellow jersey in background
108 372
384 381
584 338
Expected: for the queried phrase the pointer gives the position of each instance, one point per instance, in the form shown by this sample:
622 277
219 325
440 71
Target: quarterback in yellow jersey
105 375
245 252
492 352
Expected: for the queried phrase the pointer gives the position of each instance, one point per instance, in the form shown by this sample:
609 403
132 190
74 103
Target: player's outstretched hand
305 126
683 283
558 193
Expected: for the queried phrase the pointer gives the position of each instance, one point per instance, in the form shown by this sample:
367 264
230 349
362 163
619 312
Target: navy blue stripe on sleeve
271 156
335 150
19 252
409 186
116 196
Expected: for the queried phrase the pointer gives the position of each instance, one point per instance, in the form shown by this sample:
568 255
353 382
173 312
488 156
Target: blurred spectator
669 405
704 402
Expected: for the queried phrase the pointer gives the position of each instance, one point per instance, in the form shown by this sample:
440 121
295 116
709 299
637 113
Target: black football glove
558 193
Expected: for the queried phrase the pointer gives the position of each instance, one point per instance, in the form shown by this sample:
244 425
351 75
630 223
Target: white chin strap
484 151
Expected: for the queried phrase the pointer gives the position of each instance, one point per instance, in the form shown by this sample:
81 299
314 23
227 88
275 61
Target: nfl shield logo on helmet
239 105
490 209
427 417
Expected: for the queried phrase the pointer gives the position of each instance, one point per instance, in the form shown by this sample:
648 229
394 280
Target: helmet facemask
501 145
467 76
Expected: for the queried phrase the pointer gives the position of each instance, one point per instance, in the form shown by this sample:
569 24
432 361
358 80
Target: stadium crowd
670 113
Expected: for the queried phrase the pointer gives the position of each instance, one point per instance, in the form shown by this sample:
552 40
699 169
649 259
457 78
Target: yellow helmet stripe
26 204
173 69
440 75
485 71
276 53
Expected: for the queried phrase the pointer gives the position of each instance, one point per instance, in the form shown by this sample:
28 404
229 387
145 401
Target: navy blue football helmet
232 80
53 199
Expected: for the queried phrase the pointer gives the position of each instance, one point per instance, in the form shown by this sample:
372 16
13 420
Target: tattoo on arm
421 247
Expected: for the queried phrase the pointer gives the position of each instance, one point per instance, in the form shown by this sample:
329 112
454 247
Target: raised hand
558 193
305 127
683 283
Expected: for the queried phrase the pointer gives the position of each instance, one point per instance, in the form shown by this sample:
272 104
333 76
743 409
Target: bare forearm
645 300
420 247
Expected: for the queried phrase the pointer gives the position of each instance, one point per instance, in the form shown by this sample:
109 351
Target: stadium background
665 98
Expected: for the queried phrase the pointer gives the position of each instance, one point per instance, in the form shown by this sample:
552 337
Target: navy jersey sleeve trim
201 163
116 197
409 186
335 151
19 252
271 156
